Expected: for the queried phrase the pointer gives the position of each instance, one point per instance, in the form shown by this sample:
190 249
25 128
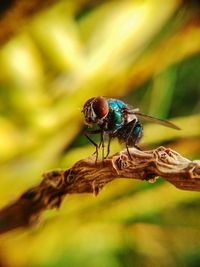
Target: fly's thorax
116 104
118 118
113 121
115 116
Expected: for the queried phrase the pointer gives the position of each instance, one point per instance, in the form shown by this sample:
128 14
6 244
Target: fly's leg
134 145
108 147
133 122
102 144
129 155
91 141
96 147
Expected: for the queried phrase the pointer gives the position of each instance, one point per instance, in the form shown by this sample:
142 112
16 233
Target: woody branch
86 176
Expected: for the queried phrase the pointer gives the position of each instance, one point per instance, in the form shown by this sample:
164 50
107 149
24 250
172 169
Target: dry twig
87 177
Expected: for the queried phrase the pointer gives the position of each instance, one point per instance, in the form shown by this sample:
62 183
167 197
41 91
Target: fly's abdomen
130 133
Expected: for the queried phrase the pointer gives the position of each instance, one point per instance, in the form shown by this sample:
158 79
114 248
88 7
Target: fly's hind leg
129 155
132 124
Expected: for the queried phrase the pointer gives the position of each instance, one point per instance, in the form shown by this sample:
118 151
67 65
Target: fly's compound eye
100 107
95 109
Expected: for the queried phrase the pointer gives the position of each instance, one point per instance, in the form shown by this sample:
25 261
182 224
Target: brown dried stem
87 177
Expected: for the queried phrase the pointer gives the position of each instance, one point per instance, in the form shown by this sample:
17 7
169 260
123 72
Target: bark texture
86 176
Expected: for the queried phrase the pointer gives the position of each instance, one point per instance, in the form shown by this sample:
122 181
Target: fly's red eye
100 107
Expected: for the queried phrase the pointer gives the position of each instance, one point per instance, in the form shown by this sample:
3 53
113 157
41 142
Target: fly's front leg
91 141
96 146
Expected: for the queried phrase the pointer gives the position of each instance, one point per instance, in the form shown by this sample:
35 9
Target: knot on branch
167 156
194 169
121 162
49 193
69 176
53 179
33 194
54 187
168 160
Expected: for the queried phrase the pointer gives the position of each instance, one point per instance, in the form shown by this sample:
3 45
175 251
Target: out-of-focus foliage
146 53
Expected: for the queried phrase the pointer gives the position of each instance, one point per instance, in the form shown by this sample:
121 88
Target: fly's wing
155 120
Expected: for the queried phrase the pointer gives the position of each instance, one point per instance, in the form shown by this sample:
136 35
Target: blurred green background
143 52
